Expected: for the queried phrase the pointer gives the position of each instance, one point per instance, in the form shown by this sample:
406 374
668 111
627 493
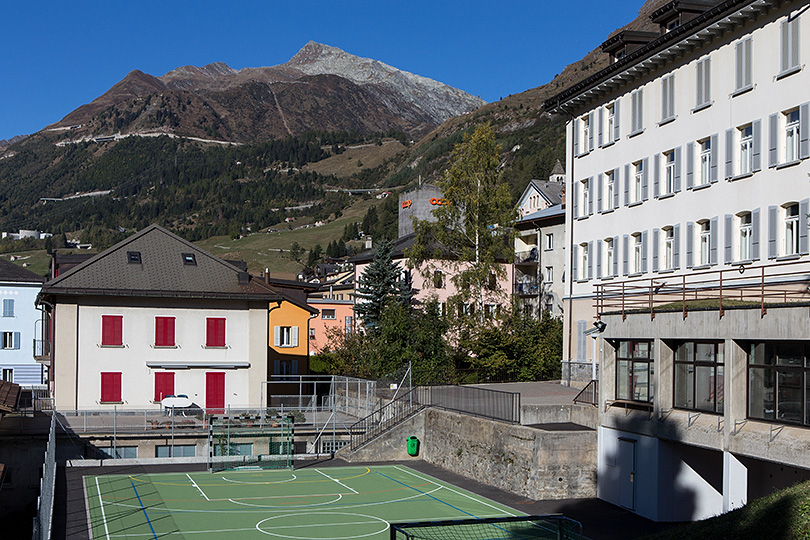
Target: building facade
687 225
18 325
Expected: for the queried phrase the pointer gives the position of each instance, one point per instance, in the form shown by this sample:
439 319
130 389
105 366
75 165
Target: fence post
115 432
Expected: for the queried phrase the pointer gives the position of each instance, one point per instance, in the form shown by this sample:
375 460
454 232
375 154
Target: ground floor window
699 370
778 381
178 450
634 370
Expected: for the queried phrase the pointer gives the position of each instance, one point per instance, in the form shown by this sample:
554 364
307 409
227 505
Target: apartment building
687 223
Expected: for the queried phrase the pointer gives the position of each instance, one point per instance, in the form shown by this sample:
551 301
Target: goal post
238 442
550 527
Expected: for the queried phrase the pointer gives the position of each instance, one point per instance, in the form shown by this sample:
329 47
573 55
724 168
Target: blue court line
144 509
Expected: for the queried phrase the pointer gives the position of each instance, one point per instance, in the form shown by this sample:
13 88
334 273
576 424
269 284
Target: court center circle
328 529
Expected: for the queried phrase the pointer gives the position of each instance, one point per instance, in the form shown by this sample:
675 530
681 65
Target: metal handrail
745 286
589 394
384 418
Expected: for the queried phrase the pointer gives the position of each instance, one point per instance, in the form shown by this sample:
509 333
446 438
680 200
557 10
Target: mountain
321 88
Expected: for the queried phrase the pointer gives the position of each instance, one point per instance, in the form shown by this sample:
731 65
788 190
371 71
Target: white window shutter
729 153
727 251
773 127
714 157
755 234
713 230
804 209
16 340
772 248
656 174
756 129
676 246
295 336
804 130
655 249
690 165
276 336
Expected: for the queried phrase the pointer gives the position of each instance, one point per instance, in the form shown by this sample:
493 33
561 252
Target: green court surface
310 503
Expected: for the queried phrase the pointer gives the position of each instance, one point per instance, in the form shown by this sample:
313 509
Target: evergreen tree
377 285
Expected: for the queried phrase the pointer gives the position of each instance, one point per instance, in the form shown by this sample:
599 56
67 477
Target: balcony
530 256
743 287
527 287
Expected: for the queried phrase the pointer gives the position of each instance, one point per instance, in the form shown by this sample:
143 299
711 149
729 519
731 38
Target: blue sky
59 55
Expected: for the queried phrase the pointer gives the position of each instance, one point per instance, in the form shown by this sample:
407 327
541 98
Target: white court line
336 480
101 505
198 488
456 492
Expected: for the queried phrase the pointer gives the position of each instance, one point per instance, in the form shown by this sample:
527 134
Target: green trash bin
413 446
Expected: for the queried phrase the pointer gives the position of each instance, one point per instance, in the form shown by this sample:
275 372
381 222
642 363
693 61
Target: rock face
321 87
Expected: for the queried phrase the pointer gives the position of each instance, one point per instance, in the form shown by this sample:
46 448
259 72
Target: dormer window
134 257
189 259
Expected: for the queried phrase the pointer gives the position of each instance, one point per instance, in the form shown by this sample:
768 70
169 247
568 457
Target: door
627 473
164 385
215 392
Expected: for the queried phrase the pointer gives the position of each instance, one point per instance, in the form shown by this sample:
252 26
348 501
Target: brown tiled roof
12 272
9 394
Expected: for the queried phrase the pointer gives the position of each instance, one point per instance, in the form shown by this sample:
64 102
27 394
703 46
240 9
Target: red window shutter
164 331
215 332
110 387
164 384
112 330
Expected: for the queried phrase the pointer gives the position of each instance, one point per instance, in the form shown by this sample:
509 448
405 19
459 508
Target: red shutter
164 331
112 330
215 392
164 384
110 387
215 332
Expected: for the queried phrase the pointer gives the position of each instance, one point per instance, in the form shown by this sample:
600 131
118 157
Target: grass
344 165
35 261
784 515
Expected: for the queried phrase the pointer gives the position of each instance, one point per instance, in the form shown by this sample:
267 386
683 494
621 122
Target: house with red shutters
155 315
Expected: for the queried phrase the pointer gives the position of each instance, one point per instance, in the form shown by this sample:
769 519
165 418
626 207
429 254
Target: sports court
310 503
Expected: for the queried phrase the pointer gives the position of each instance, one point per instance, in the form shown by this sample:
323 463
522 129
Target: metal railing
47 487
530 286
384 419
744 287
589 394
527 256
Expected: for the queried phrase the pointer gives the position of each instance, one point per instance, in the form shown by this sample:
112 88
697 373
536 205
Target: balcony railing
528 256
743 287
527 287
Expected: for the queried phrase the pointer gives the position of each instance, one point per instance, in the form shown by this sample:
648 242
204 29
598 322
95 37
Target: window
311 333
789 43
110 387
745 237
438 279
134 257
668 98
285 336
637 254
112 330
704 242
743 80
549 274
11 340
610 123
347 323
177 450
587 203
120 452
234 449
791 137
215 332
490 310
164 332
189 259
329 314
164 385
584 259
699 376
634 371
669 172
746 149
8 307
610 257
791 231
586 133
669 248
638 182
636 116
704 98
610 189
705 163
779 381
549 245
8 375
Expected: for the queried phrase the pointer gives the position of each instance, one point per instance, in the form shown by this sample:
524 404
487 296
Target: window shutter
294 367
713 240
785 45
625 250
112 330
615 256
616 117
727 252
773 124
590 131
794 42
575 125
804 208
755 234
627 181
600 178
591 189
110 387
616 184
738 79
598 259
574 263
700 93
164 331
276 336
590 261
8 307
690 165
729 153
215 332
772 212
644 252
600 123
707 81
756 128
276 367
656 174
575 199
164 384
665 89
677 182
634 112
17 334
714 158
644 176
640 110
676 246
804 131
655 248
747 67
690 238
671 103
295 336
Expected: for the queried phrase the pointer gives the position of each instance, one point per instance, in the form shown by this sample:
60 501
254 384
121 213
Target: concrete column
735 389
735 483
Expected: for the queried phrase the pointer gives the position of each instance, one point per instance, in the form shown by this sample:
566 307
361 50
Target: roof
647 57
400 245
12 272
558 168
158 263
9 394
550 190
547 213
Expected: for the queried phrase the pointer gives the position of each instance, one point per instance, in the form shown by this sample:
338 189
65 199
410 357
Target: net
243 442
507 528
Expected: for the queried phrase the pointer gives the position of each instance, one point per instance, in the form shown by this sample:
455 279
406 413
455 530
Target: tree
377 285
314 255
296 252
473 232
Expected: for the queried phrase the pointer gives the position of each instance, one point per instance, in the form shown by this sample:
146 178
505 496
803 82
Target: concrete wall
418 204
530 462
